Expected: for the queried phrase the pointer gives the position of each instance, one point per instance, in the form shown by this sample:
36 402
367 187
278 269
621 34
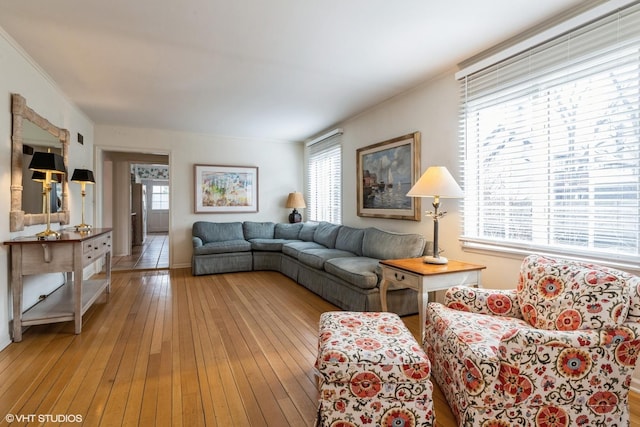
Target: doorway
136 204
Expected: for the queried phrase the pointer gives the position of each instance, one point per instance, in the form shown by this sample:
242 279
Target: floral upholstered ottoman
371 371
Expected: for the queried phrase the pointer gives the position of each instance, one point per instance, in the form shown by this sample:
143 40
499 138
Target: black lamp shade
44 162
83 175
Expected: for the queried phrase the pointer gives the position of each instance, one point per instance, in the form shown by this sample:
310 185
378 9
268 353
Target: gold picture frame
386 171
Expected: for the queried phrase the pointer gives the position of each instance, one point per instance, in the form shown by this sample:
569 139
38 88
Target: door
157 206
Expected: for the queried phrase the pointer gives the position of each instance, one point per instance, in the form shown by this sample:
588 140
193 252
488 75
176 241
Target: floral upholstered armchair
559 350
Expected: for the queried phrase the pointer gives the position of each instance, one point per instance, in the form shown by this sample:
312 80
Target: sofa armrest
196 241
495 302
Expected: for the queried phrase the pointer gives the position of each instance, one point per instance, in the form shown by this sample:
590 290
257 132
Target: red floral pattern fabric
570 295
371 371
496 369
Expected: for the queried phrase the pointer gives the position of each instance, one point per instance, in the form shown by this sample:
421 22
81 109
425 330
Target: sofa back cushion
288 231
217 231
307 231
570 295
326 234
350 239
387 245
258 230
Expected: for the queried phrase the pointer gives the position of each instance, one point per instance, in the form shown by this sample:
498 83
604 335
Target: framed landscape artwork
386 172
226 189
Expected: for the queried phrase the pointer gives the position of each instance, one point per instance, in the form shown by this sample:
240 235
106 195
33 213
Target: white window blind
551 145
324 179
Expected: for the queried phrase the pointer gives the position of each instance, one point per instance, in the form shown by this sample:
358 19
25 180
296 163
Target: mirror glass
36 139
32 133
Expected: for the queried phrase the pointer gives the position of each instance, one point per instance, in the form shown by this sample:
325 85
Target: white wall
280 171
19 74
432 109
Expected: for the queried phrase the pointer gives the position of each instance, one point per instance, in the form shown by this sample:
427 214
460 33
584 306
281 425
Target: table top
66 235
418 266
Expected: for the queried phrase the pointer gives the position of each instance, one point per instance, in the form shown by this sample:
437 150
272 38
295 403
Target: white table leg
384 285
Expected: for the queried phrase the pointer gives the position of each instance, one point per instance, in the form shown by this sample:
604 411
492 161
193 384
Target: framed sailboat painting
386 172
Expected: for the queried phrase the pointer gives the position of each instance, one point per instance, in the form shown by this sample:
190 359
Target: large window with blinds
551 145
324 178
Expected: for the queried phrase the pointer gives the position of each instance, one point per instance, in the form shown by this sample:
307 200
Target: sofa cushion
293 249
387 245
269 245
566 295
217 231
350 239
326 234
223 247
307 231
359 271
288 231
317 257
258 230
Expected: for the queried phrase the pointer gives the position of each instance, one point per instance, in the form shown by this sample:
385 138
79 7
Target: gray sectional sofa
337 262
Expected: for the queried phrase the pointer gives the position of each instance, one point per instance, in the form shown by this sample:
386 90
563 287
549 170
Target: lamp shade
83 175
47 162
295 200
436 182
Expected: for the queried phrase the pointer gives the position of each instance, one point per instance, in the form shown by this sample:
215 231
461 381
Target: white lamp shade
436 182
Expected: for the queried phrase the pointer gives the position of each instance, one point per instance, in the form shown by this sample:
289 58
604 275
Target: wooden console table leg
16 290
77 287
107 267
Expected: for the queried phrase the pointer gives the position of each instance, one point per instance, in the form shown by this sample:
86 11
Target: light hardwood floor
172 349
152 254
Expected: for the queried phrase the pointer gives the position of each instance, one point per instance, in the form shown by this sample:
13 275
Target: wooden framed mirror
40 135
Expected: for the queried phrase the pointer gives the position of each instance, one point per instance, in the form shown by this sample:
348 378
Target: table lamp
436 182
295 201
84 177
42 177
48 163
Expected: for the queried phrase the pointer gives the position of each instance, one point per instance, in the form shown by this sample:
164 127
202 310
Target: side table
413 273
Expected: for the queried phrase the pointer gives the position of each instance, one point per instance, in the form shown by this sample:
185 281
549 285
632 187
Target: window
551 145
324 178
159 197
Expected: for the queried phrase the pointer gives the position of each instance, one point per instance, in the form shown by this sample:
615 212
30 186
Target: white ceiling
276 69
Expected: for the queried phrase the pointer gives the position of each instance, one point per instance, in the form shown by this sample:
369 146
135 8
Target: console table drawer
96 248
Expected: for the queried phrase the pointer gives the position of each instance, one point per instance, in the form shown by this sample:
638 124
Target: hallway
153 254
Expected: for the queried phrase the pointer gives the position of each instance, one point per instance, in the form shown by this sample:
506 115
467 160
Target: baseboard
5 343
188 265
635 385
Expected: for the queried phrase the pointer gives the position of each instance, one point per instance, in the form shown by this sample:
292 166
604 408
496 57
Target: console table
69 254
413 273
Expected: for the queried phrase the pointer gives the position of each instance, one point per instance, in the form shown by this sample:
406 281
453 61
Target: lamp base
48 234
434 260
82 227
295 217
